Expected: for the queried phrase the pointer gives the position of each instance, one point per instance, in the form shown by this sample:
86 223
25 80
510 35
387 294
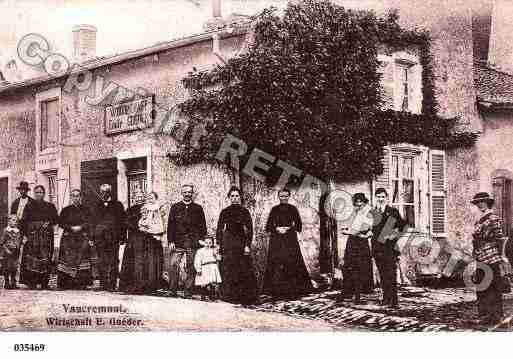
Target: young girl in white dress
208 277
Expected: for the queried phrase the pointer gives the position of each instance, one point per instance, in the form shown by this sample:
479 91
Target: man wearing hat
20 204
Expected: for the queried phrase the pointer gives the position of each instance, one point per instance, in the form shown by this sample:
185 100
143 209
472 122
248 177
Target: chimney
216 21
216 9
84 42
500 53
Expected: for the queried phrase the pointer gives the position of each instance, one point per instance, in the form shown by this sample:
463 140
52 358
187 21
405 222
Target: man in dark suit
386 230
109 220
186 227
20 204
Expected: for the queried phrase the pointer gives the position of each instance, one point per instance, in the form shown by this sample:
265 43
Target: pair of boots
210 292
10 280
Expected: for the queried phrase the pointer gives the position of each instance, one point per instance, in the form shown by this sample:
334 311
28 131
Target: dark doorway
95 173
4 201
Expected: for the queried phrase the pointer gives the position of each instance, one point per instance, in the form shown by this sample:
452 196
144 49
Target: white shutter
383 180
387 82
438 186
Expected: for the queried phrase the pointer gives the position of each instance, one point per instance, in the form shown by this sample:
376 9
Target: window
404 86
415 179
403 186
401 82
136 178
49 124
52 188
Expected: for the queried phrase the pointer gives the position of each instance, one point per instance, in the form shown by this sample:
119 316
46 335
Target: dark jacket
186 225
111 216
14 210
384 224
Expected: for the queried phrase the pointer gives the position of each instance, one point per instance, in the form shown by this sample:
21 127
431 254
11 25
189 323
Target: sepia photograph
255 166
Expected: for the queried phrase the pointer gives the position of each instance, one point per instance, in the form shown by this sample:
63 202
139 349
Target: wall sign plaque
129 116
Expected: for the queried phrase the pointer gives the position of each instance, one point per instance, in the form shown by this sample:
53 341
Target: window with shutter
383 180
438 180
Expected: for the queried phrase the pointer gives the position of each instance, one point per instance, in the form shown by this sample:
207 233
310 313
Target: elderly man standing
109 233
20 203
186 227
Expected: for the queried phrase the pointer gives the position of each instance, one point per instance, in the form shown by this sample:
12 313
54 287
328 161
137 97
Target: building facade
96 126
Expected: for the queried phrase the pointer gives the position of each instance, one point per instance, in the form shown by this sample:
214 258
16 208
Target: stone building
93 125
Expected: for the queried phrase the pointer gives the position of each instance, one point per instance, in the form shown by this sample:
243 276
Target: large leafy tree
308 92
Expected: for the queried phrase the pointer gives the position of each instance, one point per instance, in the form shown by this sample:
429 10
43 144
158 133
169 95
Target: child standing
208 277
10 243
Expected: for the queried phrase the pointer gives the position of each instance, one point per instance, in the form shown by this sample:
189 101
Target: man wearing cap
109 233
20 203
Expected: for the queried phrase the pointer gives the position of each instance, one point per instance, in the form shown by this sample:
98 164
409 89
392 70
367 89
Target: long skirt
142 266
239 280
489 299
37 255
286 274
78 261
357 269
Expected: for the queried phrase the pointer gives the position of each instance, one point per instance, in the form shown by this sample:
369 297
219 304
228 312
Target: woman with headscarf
142 266
234 235
78 259
487 242
286 275
357 268
40 217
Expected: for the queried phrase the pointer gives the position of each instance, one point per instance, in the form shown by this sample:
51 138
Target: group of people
218 266
373 232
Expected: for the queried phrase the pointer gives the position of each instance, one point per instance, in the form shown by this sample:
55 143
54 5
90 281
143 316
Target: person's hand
219 257
246 250
172 247
25 239
45 225
91 243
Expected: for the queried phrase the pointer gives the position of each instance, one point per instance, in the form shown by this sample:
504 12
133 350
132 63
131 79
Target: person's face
76 198
284 197
208 242
13 222
482 206
235 197
358 204
39 194
187 193
381 199
23 192
104 194
150 198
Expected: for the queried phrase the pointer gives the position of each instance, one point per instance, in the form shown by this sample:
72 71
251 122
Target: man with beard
109 233
20 203
186 227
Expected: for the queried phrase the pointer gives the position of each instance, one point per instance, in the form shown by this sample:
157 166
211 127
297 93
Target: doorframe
122 178
7 174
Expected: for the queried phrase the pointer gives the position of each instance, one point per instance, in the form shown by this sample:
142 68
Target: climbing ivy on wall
308 92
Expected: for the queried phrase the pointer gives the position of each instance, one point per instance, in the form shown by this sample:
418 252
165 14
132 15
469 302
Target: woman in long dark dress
357 268
142 266
286 274
78 258
40 217
487 243
234 235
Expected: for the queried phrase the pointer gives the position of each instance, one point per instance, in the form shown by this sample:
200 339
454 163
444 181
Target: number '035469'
29 347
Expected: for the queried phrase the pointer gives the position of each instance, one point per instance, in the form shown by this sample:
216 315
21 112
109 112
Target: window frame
45 96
